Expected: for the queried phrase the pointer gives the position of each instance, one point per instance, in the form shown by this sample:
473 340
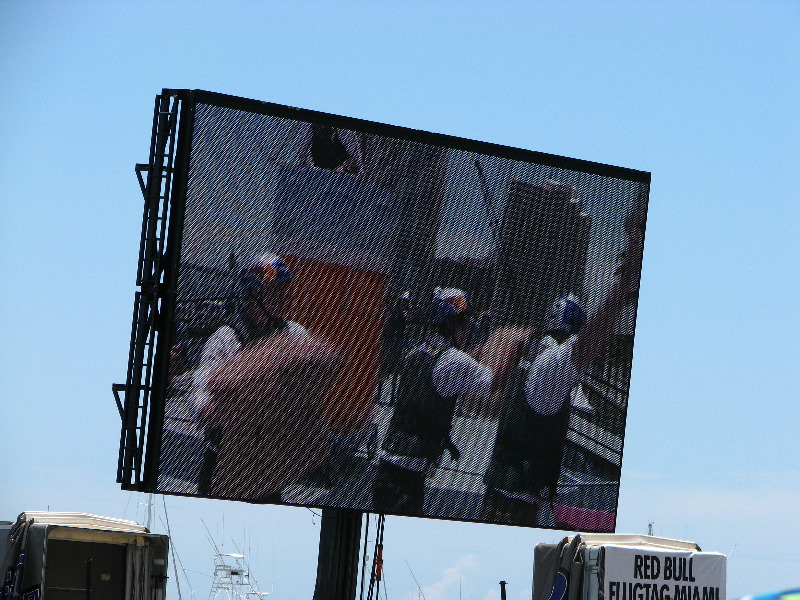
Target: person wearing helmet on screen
237 364
262 287
525 463
526 458
432 377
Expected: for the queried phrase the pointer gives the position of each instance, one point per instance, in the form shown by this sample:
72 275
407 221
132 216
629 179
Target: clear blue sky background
704 95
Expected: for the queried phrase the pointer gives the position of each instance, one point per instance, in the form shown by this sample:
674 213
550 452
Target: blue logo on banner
559 587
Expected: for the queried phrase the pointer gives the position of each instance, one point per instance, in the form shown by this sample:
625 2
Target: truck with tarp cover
627 567
78 556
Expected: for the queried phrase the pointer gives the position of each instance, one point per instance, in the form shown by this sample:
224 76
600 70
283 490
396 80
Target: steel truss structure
158 183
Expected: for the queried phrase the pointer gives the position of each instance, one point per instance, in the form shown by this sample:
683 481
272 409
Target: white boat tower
232 579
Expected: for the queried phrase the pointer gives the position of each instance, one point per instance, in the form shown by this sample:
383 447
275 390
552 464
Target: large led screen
375 318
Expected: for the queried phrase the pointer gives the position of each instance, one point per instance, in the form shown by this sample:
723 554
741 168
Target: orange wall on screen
346 306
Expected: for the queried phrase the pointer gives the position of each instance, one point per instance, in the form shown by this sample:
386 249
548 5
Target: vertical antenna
415 580
364 563
174 554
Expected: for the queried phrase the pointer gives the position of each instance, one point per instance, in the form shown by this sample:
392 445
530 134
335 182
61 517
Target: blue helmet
448 302
565 314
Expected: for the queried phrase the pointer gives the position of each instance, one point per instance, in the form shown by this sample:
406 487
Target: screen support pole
337 563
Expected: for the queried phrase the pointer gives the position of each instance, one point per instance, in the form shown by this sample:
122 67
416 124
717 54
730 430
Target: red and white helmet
266 269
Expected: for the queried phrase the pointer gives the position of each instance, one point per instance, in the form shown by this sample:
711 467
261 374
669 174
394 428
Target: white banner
645 574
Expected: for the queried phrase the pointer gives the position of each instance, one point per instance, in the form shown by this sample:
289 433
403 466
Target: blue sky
703 95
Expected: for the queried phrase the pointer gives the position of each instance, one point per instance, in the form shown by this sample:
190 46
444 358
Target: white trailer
77 556
627 567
